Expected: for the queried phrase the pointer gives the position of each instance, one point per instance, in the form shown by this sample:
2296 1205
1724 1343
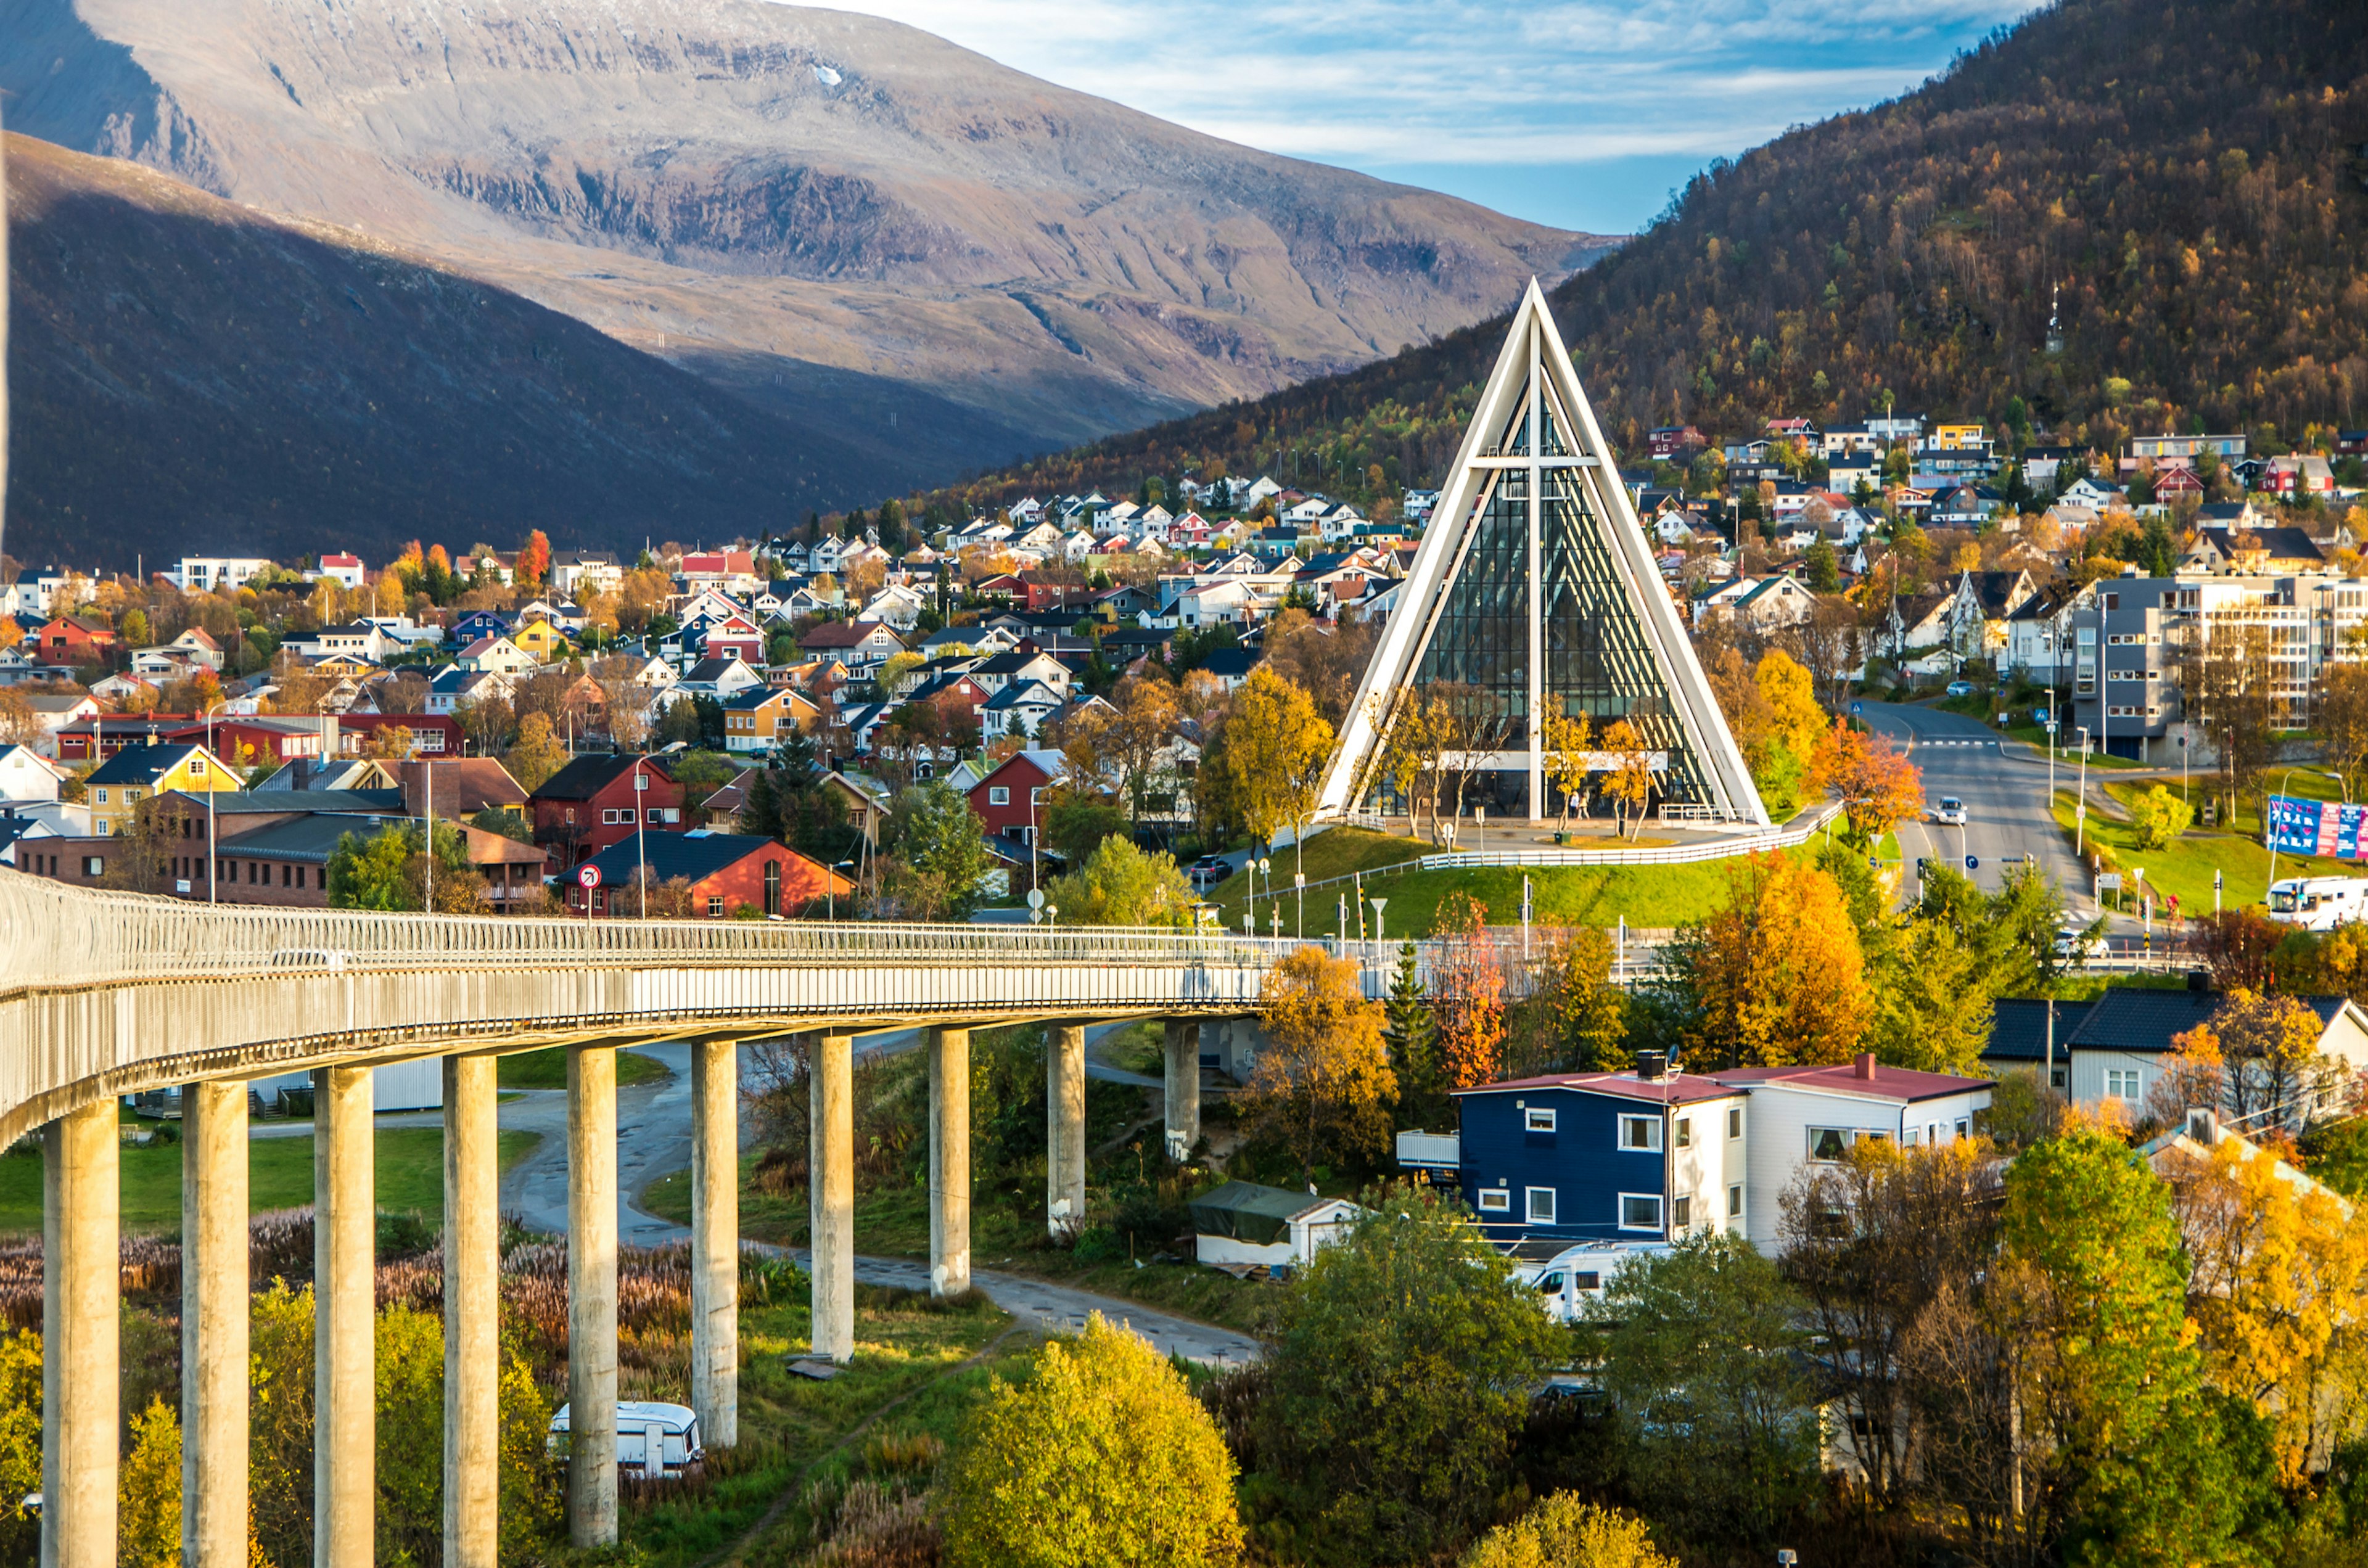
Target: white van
643 1427
2319 904
1568 1280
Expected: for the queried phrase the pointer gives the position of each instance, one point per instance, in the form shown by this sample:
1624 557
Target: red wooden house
1010 800
592 803
76 639
726 873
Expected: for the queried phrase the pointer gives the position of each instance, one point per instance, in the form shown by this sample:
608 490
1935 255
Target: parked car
1208 871
1961 688
2077 942
1950 811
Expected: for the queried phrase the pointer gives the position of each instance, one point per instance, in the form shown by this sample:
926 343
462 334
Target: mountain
188 373
899 242
2184 185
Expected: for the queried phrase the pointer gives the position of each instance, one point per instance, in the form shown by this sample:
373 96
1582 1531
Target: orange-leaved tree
1878 786
534 560
1468 989
1777 977
1323 1082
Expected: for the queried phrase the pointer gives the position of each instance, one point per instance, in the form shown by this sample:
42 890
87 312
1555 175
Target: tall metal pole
641 838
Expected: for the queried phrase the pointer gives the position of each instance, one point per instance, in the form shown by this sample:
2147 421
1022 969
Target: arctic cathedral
1535 585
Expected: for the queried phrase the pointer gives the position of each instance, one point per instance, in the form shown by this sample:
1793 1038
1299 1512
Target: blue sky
1579 113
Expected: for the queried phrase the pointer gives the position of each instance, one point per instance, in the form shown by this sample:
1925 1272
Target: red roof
1864 1077
1679 1088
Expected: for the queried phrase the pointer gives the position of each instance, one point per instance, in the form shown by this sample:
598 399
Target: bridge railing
52 935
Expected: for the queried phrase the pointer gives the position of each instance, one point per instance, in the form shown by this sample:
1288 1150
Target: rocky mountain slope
849 220
2184 187
185 372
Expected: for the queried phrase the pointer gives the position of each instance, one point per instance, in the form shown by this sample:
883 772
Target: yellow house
1972 438
140 773
544 641
762 717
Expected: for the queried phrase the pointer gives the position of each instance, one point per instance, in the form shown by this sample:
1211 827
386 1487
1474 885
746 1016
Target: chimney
1652 1065
1866 1065
2199 980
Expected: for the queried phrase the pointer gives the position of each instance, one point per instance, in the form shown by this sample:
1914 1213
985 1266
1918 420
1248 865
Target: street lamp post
641 835
2080 797
213 866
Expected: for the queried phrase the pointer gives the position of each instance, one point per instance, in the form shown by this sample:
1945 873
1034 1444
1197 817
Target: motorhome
2319 904
646 1428
1566 1282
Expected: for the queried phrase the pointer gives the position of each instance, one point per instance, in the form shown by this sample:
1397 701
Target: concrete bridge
105 994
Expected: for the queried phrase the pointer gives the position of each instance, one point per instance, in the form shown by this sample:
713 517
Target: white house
1244 1225
207 573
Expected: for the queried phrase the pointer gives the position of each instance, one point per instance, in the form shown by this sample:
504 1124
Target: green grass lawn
547 1068
1560 896
1006 1233
1335 852
410 1164
918 1369
2186 865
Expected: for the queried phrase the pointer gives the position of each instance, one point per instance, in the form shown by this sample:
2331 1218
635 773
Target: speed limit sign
589 876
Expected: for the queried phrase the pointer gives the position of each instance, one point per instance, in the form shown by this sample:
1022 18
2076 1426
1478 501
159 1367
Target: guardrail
52 935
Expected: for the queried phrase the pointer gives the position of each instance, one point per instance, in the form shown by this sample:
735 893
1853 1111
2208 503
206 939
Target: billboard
2325 828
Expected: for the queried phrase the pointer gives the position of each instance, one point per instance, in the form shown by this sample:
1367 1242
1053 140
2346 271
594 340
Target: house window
1496 1201
1541 1205
2055 1079
1735 1201
772 887
1681 1212
93 865
1735 1123
2121 1084
599 901
287 875
999 795
1685 1134
1641 1132
1640 1210
105 828
1537 1119
101 794
1962 1126
1828 1143
1036 794
715 909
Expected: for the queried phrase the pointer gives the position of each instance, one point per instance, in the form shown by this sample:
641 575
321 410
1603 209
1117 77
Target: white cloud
1459 83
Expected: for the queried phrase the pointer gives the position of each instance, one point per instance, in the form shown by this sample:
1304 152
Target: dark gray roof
2129 1019
693 857
2019 1030
277 802
312 837
1234 661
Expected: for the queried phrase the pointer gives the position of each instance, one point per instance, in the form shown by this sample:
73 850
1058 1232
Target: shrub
2158 817
1563 1530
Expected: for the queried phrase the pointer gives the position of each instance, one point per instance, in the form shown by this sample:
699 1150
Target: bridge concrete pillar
472 1315
949 1162
213 1325
345 1317
81 1213
591 1295
1065 1132
831 1203
1183 1087
715 1240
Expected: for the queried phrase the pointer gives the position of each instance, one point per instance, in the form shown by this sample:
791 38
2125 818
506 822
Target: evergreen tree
760 811
1414 1044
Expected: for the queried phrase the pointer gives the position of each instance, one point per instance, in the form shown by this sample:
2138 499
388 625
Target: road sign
1973 862
1035 898
2051 726
2108 881
587 877
1857 708
2215 882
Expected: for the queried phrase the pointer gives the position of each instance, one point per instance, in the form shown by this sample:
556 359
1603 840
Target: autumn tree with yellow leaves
1323 1084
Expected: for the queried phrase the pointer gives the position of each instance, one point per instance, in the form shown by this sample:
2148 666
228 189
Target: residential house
759 718
1008 799
1985 603
861 645
2179 451
586 572
452 689
2117 1050
342 568
432 734
720 679
27 776
725 873
76 639
2299 476
474 624
116 788
216 573
54 714
1019 707
592 803
540 639
2254 552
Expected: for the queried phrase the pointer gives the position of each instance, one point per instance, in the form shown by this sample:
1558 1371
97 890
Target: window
625 816
999 795
1911 1137
1963 1126
1735 1123
1681 1212
105 828
608 816
1541 1205
2122 1083
1735 1201
715 909
1496 1201
1036 795
2057 1077
94 866
101 793
772 887
1685 1132
1587 1279
1640 1210
1641 1132
1827 1142
1537 1119
287 875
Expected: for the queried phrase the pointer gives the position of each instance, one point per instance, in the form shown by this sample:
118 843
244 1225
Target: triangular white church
1535 584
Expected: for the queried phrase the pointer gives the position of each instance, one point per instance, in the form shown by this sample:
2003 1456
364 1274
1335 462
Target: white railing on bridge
52 935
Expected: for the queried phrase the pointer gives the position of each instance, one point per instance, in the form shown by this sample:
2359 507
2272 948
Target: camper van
645 1427
1567 1281
2319 904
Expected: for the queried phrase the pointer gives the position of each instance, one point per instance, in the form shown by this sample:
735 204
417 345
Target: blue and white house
1614 1160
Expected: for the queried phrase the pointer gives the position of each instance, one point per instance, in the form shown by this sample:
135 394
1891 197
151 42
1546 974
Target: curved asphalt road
2003 785
653 1140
